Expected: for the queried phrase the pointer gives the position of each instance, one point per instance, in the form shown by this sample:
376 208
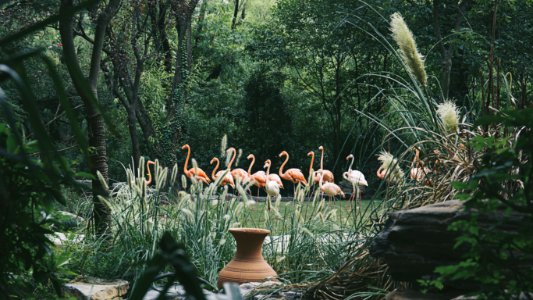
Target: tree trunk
132 128
235 14
201 23
145 122
95 122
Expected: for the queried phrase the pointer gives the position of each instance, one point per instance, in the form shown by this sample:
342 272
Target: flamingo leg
358 201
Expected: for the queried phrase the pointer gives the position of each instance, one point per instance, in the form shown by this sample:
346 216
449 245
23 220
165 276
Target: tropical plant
32 172
496 256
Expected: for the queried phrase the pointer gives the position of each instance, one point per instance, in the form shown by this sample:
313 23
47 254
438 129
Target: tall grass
308 238
417 116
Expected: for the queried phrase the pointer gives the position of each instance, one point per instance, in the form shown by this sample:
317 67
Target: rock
59 238
415 241
249 287
177 292
66 221
97 289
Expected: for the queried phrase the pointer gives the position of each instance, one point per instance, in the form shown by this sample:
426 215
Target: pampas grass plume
406 42
448 115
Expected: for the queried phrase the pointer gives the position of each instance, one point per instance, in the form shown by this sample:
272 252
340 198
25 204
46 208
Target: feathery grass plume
102 180
239 155
140 168
449 115
406 42
386 159
238 209
174 174
307 231
228 158
242 193
223 145
183 181
187 213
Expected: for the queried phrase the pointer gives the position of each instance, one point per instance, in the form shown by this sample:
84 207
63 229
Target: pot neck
249 244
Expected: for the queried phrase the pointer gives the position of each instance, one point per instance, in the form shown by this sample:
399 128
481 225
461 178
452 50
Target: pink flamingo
418 172
272 188
355 177
258 178
238 174
293 175
149 174
330 188
198 173
328 175
227 179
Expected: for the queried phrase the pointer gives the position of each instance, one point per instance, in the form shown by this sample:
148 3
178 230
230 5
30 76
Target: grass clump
308 238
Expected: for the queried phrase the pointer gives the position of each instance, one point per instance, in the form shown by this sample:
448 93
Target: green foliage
310 242
31 173
264 107
497 256
170 252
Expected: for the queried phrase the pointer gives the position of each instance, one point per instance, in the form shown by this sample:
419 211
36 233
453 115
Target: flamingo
293 175
274 177
328 175
237 173
258 178
227 179
271 187
389 168
148 173
417 171
355 177
330 188
198 173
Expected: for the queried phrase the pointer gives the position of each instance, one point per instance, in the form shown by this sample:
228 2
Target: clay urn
248 265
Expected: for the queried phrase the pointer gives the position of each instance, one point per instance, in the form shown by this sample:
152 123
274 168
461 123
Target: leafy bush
498 256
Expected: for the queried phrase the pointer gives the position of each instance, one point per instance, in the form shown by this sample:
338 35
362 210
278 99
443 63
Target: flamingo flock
272 183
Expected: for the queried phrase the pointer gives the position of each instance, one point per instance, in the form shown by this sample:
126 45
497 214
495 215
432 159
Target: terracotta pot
248 265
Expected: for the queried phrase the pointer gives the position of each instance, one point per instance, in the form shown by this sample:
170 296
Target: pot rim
250 230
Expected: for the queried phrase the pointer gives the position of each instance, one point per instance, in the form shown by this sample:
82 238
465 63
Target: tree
267 120
127 49
87 90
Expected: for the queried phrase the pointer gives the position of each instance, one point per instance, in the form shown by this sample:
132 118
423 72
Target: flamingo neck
351 164
283 165
381 172
345 175
149 174
185 169
215 169
232 158
251 165
417 157
311 164
322 159
268 171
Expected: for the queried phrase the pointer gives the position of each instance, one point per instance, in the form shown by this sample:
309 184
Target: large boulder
415 241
